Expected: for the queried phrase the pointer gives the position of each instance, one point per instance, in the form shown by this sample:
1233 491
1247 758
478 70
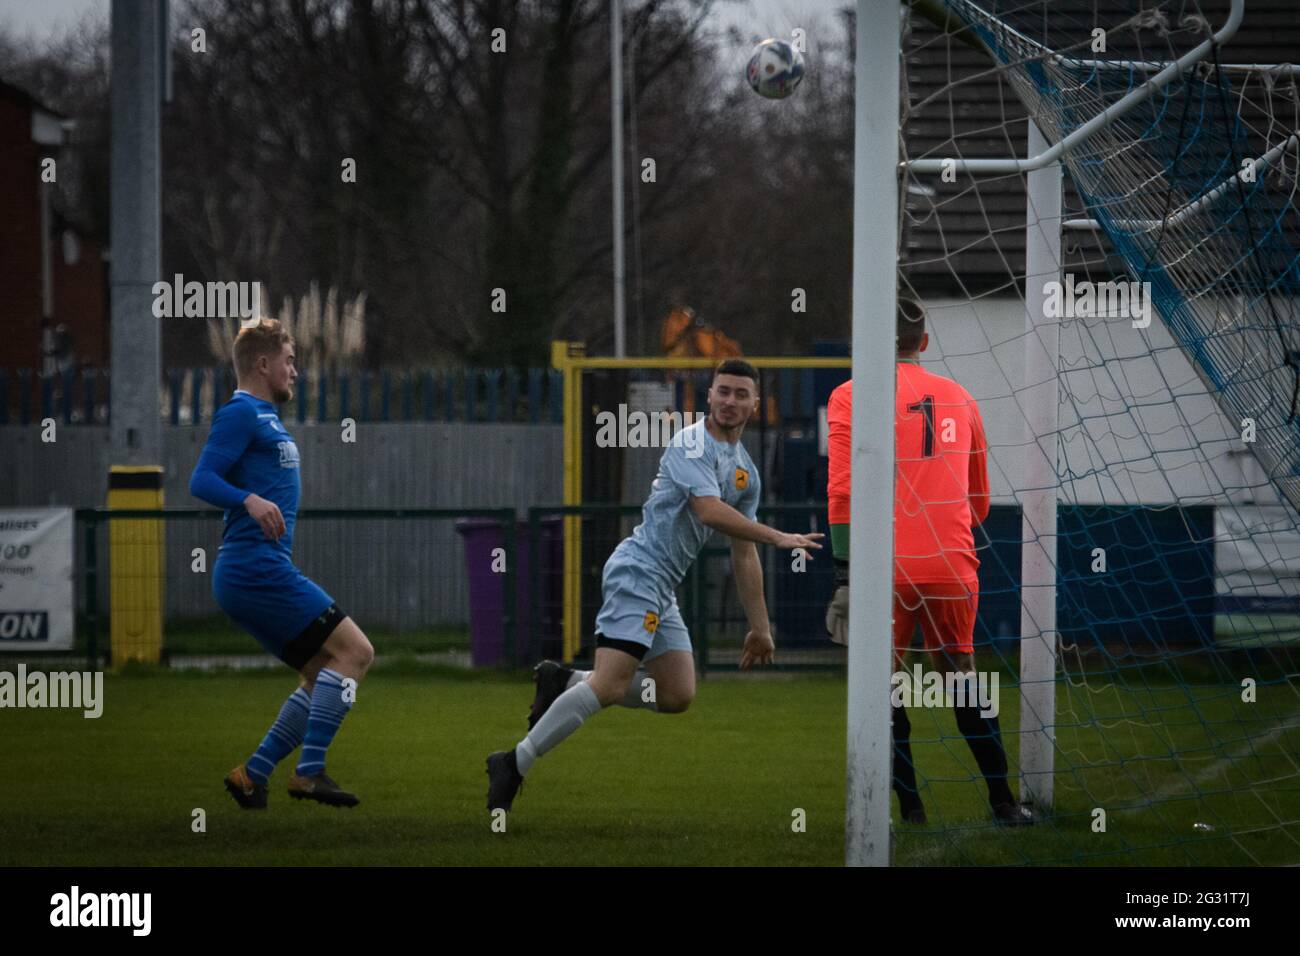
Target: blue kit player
249 467
706 482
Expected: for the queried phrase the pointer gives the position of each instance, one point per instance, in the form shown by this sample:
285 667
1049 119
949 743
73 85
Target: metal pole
136 431
871 554
1039 400
92 590
538 606
616 127
509 584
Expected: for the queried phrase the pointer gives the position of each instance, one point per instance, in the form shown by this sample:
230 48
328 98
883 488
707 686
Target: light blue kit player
249 467
706 482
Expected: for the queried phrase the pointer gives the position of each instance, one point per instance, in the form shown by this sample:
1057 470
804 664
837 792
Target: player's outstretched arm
717 514
759 645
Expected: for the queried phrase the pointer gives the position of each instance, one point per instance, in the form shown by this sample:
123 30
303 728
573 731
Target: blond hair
266 337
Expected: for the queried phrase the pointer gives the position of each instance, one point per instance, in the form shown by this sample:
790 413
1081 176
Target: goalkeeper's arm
839 449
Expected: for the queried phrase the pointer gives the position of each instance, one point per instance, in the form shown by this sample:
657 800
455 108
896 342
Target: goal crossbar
1099 122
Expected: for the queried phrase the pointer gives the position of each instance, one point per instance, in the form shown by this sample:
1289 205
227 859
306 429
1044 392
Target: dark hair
911 325
735 366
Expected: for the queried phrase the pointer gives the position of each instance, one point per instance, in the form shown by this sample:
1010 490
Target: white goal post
871 556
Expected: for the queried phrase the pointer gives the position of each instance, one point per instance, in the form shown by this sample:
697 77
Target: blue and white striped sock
328 708
283 738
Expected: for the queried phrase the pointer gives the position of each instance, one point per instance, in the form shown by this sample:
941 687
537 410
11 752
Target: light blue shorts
638 610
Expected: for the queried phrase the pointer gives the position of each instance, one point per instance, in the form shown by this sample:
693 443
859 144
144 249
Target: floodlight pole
135 230
871 544
1040 400
616 134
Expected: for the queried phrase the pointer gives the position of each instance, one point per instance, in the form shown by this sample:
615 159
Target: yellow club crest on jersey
651 621
742 479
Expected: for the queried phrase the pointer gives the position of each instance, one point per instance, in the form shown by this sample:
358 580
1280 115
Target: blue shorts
264 593
639 610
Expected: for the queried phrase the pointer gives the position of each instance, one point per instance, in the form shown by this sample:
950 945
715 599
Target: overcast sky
41 17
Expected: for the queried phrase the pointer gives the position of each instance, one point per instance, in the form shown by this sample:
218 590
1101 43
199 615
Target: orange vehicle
684 335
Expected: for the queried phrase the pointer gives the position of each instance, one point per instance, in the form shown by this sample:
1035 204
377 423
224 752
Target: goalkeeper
940 491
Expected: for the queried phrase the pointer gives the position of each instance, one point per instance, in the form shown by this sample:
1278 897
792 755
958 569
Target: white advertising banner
36 600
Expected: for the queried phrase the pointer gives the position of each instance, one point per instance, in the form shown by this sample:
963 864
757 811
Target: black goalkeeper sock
984 737
904 769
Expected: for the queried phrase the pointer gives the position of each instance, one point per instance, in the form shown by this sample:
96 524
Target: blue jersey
249 451
254 580
670 536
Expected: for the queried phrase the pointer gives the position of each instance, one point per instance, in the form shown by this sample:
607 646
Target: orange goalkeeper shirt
941 484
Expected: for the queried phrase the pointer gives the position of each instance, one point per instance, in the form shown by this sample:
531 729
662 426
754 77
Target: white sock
563 717
635 697
638 690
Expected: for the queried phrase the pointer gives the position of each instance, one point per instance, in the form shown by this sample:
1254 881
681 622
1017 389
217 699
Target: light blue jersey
640 577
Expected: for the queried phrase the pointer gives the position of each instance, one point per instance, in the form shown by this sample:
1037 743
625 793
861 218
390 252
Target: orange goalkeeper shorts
945 611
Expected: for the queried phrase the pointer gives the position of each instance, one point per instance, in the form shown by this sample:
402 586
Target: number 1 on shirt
926 407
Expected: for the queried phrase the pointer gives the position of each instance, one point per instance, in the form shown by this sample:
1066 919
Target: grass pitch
719 785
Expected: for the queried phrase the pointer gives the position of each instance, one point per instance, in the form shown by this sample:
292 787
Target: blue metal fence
190 396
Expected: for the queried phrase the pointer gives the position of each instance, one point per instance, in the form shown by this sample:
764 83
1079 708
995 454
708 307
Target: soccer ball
775 69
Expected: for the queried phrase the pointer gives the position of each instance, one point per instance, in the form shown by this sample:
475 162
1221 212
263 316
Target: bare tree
480 135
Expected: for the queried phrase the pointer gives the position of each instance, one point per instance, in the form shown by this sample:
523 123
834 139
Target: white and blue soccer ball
775 69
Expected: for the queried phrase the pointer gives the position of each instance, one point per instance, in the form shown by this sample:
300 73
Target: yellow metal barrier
136 565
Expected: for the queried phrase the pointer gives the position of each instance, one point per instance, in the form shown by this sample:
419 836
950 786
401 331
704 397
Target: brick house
53 278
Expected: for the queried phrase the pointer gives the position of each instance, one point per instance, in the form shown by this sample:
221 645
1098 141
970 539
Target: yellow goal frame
571 360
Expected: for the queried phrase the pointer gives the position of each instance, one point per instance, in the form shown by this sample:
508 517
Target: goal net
1158 289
